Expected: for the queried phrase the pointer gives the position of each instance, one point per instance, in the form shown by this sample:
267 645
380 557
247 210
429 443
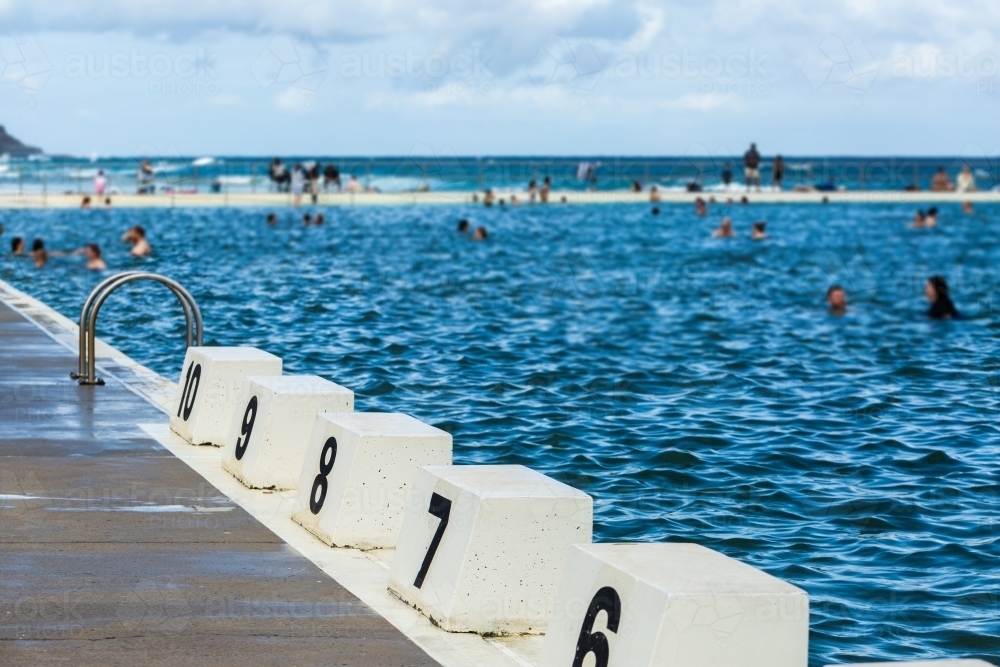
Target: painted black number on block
326 458
441 508
607 600
191 382
249 417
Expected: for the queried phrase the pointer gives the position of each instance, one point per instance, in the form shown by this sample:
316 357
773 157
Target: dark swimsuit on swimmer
943 309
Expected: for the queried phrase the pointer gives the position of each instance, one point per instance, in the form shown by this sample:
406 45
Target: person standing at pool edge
298 184
727 176
751 164
779 172
100 183
936 291
146 178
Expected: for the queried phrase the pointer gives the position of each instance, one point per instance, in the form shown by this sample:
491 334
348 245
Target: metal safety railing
86 372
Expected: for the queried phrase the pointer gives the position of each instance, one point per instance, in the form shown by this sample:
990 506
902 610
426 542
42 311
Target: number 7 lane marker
362 573
441 508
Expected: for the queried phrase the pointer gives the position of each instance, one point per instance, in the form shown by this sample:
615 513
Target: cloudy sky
507 77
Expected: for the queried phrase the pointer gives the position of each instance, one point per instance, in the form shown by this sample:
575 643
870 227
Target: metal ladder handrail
85 314
87 374
111 284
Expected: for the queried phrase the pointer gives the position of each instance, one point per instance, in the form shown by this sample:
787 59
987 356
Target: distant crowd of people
307 177
311 177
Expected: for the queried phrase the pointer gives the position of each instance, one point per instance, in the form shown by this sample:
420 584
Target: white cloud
704 102
294 99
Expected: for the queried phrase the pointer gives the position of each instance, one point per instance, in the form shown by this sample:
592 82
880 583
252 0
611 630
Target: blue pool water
695 387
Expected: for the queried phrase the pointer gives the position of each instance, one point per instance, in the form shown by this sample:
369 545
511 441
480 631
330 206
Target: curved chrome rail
86 372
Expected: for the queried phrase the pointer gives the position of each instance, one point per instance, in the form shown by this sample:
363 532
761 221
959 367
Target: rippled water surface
695 387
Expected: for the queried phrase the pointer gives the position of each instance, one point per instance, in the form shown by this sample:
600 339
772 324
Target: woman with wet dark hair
936 291
38 253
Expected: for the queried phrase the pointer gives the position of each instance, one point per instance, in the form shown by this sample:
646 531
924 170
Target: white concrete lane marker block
673 605
482 548
269 434
210 388
357 474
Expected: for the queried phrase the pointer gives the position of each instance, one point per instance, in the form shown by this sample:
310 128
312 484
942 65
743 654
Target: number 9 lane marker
269 432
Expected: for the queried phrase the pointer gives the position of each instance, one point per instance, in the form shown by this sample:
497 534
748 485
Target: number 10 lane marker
210 390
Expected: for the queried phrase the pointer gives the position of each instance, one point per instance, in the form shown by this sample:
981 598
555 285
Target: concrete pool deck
278 200
122 544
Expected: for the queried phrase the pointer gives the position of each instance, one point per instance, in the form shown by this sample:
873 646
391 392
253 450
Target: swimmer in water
656 210
92 252
463 226
919 220
85 203
513 200
936 291
107 201
836 297
39 253
272 219
17 246
307 219
137 237
488 198
931 220
319 219
758 231
699 207
654 194
744 200
480 234
967 208
725 230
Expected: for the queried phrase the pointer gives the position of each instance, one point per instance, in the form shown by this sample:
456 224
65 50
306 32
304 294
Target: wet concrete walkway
114 552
